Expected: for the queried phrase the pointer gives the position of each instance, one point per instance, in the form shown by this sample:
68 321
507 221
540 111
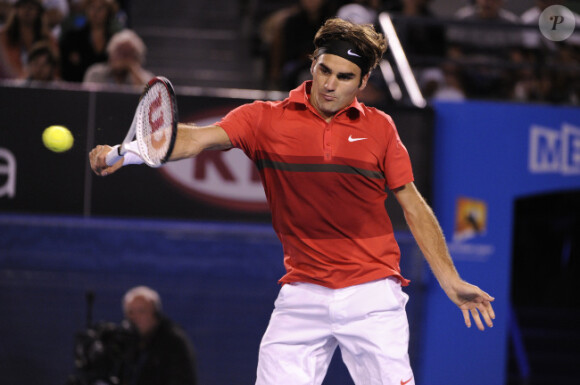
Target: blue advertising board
487 155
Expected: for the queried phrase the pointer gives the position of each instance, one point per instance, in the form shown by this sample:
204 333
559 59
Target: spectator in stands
424 42
42 65
551 68
360 11
24 28
268 34
76 17
55 13
441 83
553 78
532 38
164 354
123 13
82 47
5 9
126 53
292 45
486 49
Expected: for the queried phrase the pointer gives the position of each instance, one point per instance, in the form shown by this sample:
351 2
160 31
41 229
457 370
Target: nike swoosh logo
352 53
406 382
351 139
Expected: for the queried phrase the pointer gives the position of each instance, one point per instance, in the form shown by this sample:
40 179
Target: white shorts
367 321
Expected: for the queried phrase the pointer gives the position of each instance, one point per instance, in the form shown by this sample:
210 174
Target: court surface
218 280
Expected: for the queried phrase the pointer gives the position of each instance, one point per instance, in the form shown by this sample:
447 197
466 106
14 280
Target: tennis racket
154 125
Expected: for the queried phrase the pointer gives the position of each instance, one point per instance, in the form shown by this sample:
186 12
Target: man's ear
312 66
364 81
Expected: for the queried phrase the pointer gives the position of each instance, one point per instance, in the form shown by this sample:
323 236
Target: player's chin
329 109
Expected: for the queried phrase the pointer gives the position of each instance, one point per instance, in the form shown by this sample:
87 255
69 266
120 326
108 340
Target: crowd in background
81 41
484 51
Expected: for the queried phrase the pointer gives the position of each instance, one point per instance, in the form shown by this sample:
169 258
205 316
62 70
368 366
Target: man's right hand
98 156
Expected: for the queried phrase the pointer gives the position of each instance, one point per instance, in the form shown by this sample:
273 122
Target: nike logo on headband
345 50
352 53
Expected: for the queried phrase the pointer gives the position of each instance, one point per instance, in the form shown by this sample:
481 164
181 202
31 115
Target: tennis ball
57 138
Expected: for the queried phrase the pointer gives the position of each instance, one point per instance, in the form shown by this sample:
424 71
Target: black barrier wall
215 186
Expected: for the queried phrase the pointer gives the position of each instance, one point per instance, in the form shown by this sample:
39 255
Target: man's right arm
190 141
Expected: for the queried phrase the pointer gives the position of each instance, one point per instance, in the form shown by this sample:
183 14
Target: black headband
345 50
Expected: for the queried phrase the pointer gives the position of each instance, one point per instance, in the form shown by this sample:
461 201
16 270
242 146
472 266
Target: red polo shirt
325 184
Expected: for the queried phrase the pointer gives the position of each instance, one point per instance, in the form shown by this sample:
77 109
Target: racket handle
114 155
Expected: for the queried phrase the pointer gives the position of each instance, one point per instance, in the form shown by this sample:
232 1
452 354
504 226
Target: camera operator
163 355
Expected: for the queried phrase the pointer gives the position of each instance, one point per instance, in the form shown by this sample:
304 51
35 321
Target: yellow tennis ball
57 138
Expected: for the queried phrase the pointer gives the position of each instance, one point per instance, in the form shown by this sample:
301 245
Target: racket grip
114 155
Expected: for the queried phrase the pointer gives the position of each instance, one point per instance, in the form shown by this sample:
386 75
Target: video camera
101 351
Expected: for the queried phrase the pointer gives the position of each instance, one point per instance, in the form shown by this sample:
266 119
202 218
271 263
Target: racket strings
155 124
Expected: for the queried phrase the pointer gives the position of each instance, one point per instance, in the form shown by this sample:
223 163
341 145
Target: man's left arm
429 236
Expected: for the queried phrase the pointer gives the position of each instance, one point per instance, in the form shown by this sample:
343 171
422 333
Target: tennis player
325 160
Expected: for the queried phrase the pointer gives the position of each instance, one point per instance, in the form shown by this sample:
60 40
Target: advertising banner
33 178
217 185
487 155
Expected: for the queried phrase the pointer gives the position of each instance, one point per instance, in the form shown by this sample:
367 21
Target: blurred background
485 95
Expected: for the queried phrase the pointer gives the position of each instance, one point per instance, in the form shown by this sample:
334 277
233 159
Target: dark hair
112 6
43 48
370 43
12 26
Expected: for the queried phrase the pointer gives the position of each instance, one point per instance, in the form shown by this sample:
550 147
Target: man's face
123 57
141 313
335 83
41 68
97 12
27 13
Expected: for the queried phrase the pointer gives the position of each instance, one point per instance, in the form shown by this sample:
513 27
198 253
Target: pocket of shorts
280 298
395 289
285 291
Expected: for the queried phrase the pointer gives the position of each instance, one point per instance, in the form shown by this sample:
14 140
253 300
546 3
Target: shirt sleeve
241 125
398 169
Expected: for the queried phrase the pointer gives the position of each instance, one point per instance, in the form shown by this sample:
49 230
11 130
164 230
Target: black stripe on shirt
309 167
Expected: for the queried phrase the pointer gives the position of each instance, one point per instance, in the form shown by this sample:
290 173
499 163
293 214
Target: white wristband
131 157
